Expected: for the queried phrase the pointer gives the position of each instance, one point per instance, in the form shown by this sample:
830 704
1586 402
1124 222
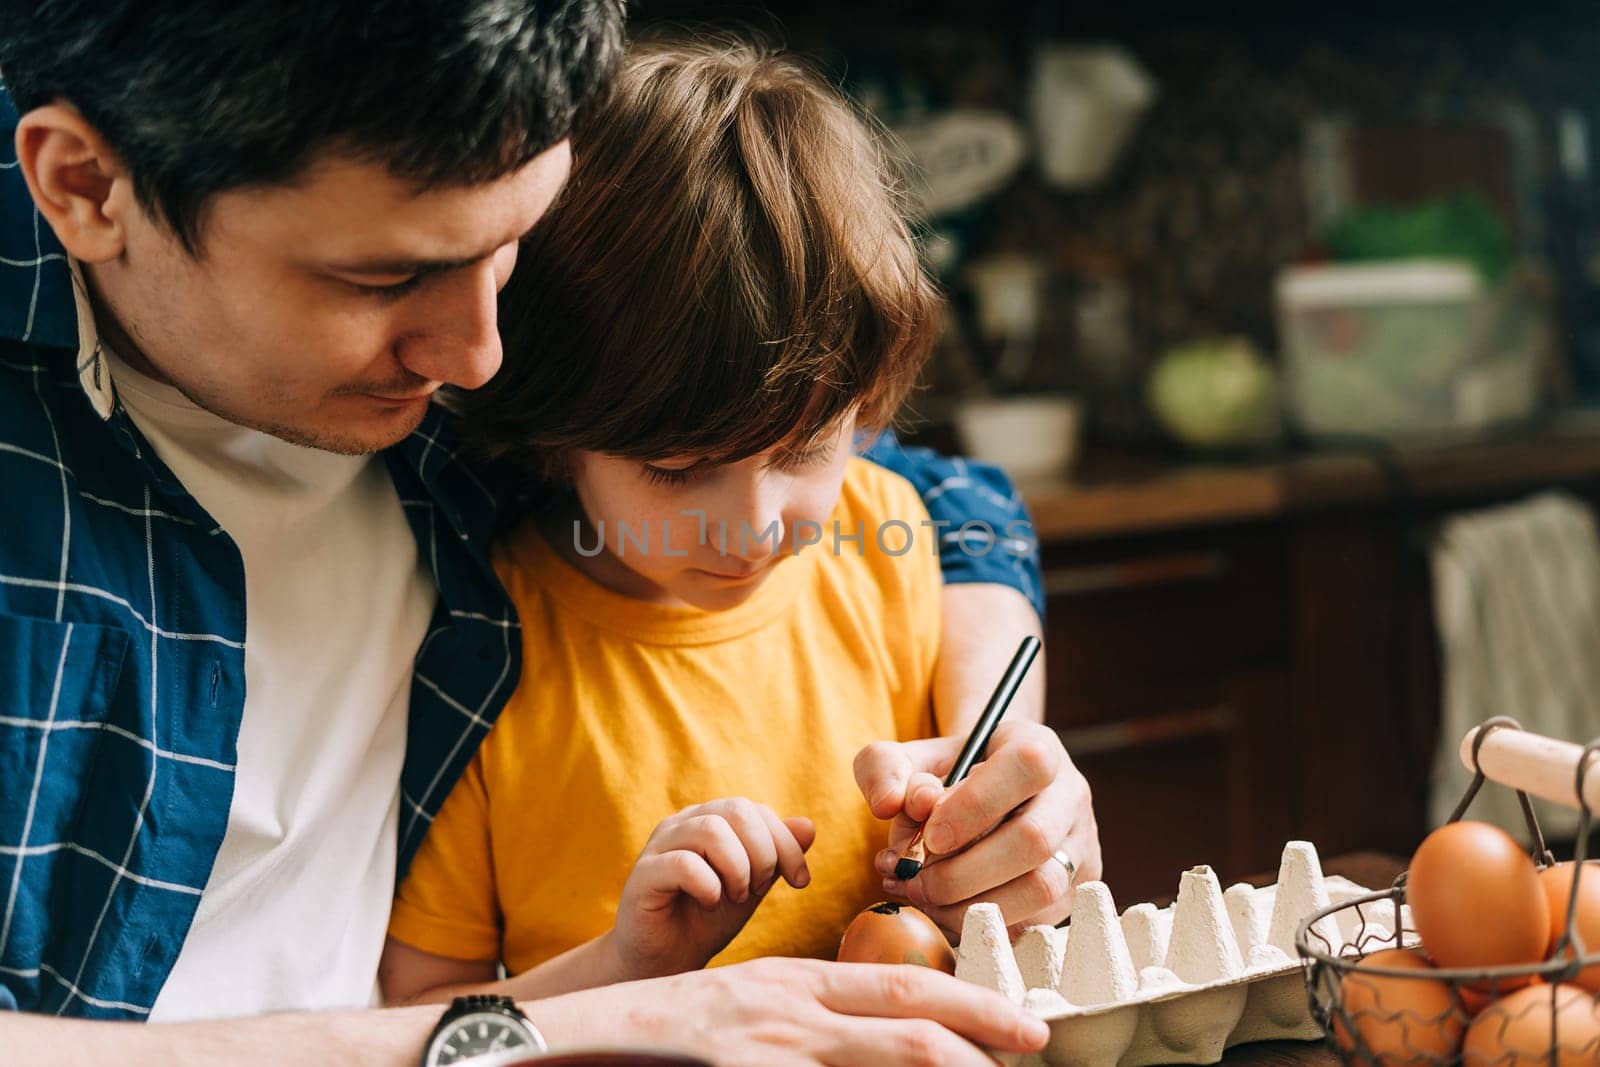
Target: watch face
480 1034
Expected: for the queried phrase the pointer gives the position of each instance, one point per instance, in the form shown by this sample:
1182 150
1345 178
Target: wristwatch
482 1029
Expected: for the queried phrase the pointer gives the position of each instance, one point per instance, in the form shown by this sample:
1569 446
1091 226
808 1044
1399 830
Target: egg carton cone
1180 984
1040 952
1147 929
989 960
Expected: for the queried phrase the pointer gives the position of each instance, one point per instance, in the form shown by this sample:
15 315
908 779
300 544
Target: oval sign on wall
962 156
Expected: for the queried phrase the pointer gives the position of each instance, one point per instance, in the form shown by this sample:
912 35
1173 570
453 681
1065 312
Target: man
244 588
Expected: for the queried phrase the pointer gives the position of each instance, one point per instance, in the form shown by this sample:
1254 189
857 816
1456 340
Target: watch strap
484 1002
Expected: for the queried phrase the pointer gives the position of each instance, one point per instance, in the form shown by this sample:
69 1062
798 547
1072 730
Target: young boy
727 296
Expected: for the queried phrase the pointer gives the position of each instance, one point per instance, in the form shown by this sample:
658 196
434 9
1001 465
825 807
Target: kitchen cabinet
1239 668
1168 681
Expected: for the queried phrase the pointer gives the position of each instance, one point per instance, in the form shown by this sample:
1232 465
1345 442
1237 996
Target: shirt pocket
57 681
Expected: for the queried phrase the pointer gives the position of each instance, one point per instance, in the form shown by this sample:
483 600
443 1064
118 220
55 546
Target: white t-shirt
336 606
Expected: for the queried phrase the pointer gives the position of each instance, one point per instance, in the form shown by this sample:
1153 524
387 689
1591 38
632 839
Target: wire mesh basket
1394 1009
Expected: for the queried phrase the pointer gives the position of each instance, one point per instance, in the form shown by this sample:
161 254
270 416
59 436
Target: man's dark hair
198 97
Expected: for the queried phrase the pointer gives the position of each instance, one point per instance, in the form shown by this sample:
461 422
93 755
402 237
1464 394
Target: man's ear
79 184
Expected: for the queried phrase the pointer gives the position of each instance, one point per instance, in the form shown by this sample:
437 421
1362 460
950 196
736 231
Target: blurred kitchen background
1286 319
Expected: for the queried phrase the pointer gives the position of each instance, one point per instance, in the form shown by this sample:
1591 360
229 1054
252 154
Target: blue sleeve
8 999
985 533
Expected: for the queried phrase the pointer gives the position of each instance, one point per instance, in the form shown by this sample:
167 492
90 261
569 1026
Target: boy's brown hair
730 269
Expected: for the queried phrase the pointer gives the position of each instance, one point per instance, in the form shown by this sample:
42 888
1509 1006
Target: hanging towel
1516 596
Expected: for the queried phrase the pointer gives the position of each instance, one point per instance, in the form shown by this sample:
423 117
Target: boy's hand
993 837
700 877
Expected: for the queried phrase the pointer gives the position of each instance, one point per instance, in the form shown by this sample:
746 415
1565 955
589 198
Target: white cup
1031 438
1085 100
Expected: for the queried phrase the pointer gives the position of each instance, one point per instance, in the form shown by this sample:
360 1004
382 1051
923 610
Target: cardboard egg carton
1172 985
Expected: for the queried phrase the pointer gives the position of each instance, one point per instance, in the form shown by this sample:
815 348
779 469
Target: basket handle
1539 766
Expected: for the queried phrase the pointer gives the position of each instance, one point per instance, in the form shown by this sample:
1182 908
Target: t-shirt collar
94 374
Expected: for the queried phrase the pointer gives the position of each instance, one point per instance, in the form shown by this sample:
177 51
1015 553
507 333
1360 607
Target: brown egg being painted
896 933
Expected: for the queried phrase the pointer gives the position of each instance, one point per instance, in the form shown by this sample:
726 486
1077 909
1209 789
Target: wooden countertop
1115 495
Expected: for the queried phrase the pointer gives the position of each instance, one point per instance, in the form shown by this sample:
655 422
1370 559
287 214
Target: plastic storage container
1402 351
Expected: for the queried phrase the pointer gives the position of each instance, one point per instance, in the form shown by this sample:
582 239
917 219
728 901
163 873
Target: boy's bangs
722 404
729 271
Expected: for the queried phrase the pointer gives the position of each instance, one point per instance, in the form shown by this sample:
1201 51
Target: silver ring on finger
1061 857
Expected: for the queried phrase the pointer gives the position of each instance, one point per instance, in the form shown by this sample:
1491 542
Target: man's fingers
1083 846
786 1012
1018 845
1040 896
980 1016
1022 761
903 1042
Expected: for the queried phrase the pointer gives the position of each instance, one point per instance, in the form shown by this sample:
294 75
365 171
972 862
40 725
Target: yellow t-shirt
629 711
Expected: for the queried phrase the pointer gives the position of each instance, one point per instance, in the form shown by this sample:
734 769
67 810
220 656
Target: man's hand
992 837
699 879
789 1012
778 1013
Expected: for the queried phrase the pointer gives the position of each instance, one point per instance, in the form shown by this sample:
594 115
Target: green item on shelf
1216 394
1461 227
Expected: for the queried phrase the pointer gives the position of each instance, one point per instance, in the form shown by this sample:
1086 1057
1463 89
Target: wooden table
1114 494
1370 869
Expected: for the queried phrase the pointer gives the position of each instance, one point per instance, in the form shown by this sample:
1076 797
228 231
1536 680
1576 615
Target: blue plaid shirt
122 628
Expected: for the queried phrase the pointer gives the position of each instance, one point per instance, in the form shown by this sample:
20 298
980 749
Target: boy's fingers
681 871
922 793
674 828
882 770
922 796
803 829
713 838
792 837
754 825
885 863
885 770
901 831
